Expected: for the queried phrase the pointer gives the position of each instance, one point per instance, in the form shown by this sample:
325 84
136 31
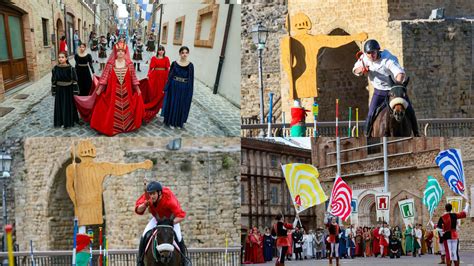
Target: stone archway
60 213
59 32
335 80
395 215
367 215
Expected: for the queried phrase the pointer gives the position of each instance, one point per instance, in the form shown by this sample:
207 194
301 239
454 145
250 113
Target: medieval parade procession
236 132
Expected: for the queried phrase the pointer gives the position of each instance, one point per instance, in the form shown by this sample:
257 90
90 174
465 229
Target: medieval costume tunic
95 49
408 240
448 223
256 249
268 246
63 79
157 77
376 241
138 53
84 79
178 94
280 231
150 49
103 52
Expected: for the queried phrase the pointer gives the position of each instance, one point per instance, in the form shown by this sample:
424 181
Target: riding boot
330 260
337 261
456 263
184 254
410 113
138 67
141 252
134 65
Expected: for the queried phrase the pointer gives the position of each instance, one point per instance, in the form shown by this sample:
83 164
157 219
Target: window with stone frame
206 25
164 33
178 31
274 162
274 193
243 192
45 23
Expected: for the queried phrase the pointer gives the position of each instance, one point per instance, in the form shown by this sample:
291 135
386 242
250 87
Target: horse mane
165 220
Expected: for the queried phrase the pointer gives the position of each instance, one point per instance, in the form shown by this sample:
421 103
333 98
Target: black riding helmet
371 45
154 186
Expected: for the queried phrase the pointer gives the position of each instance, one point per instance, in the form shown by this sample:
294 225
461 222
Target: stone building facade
437 55
264 191
410 162
272 15
212 33
203 175
36 28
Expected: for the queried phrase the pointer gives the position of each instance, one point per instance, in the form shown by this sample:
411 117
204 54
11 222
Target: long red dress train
119 108
152 92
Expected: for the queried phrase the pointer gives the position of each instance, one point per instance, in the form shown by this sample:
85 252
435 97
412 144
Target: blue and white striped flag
149 10
450 163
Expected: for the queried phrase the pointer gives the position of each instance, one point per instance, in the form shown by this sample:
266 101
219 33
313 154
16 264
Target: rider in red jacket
160 201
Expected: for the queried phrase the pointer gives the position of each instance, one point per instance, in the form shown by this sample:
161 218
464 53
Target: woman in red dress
256 240
157 77
119 105
63 44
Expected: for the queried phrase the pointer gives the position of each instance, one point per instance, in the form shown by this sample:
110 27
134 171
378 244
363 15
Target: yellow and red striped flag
304 186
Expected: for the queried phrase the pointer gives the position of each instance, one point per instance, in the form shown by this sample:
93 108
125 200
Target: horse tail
425 131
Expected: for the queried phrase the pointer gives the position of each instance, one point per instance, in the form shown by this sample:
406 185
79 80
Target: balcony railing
432 127
128 257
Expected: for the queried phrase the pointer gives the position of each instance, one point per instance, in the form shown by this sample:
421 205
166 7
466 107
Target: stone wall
405 183
272 15
203 174
438 57
413 9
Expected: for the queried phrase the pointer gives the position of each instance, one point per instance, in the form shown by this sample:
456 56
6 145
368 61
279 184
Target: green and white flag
407 209
432 195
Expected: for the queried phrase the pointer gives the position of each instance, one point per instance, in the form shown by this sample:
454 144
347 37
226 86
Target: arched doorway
70 33
335 80
59 32
367 214
61 214
13 61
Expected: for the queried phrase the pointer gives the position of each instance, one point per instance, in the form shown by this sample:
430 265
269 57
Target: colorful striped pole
357 122
74 243
337 117
270 115
283 120
226 245
91 236
315 114
100 247
9 229
31 254
106 251
350 118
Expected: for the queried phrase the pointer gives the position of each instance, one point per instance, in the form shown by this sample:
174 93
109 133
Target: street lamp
259 37
5 163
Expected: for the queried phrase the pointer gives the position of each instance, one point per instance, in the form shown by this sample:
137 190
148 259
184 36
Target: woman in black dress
63 80
83 62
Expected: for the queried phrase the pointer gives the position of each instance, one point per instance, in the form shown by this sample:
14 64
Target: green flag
432 194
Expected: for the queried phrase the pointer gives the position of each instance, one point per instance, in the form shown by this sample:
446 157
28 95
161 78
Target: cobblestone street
210 115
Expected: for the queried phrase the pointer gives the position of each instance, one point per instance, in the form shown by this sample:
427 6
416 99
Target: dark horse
161 250
391 120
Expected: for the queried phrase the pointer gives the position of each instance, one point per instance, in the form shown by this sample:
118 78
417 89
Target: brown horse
391 121
162 251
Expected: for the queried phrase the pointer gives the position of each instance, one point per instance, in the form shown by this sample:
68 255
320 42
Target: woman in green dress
408 240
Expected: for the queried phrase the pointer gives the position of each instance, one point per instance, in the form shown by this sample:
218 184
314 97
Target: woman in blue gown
179 91
268 245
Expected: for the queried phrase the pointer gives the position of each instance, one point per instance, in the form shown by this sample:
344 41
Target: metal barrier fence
435 127
126 257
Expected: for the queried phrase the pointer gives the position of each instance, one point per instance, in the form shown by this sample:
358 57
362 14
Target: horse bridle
166 246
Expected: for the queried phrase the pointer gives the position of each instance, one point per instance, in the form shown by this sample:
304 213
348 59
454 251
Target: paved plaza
467 258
